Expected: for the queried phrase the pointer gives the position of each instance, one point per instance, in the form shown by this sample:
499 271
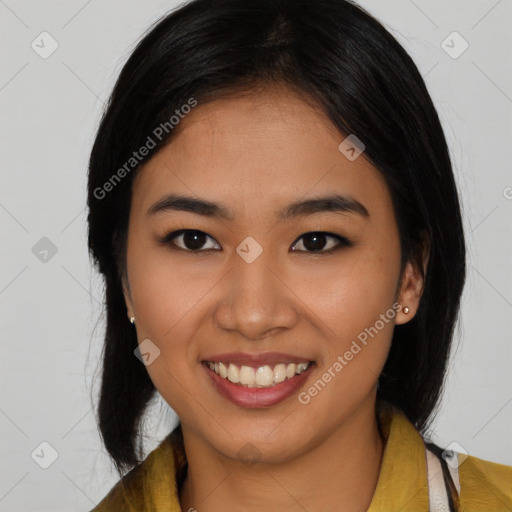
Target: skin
255 154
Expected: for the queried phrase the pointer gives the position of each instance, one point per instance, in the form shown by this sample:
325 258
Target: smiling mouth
265 376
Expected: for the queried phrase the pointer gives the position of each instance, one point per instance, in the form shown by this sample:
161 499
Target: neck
340 473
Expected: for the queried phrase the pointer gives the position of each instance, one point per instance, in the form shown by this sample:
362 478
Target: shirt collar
402 483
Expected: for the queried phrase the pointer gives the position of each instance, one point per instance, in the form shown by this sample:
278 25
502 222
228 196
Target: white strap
437 494
452 460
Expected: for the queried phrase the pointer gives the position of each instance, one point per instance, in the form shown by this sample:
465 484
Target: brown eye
191 240
316 241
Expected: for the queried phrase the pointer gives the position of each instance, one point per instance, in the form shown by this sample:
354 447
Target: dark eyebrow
174 202
335 203
332 203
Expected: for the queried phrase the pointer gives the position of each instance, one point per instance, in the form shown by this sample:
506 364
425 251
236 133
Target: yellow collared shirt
402 484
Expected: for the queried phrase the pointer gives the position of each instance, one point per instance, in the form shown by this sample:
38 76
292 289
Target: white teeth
233 373
279 372
247 376
301 367
290 370
223 371
262 377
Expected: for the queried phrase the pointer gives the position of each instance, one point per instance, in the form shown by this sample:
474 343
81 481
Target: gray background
51 321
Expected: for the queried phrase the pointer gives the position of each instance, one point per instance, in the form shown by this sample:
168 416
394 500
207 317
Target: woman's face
251 288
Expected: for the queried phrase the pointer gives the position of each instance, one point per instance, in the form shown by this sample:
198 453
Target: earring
406 310
132 319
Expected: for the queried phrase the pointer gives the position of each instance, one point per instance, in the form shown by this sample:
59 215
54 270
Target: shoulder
485 485
152 482
127 493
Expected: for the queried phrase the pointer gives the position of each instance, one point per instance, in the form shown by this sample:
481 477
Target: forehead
267 147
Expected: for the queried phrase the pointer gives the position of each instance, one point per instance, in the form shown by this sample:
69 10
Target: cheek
166 301
353 299
356 310
164 291
351 293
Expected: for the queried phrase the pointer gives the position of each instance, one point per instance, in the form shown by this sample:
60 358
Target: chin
266 444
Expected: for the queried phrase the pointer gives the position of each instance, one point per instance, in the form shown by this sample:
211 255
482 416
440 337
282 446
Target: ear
127 296
410 294
411 289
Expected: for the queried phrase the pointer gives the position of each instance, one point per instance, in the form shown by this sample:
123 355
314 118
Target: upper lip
256 360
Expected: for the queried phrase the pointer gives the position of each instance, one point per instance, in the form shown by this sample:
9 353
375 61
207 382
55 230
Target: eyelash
343 242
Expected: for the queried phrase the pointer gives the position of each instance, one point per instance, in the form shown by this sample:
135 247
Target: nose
258 302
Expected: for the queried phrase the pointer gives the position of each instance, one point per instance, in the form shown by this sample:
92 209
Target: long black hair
337 55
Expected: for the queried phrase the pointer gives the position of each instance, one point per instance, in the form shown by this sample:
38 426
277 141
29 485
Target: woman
268 196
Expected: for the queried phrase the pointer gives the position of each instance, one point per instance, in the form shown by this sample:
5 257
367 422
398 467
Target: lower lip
257 397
